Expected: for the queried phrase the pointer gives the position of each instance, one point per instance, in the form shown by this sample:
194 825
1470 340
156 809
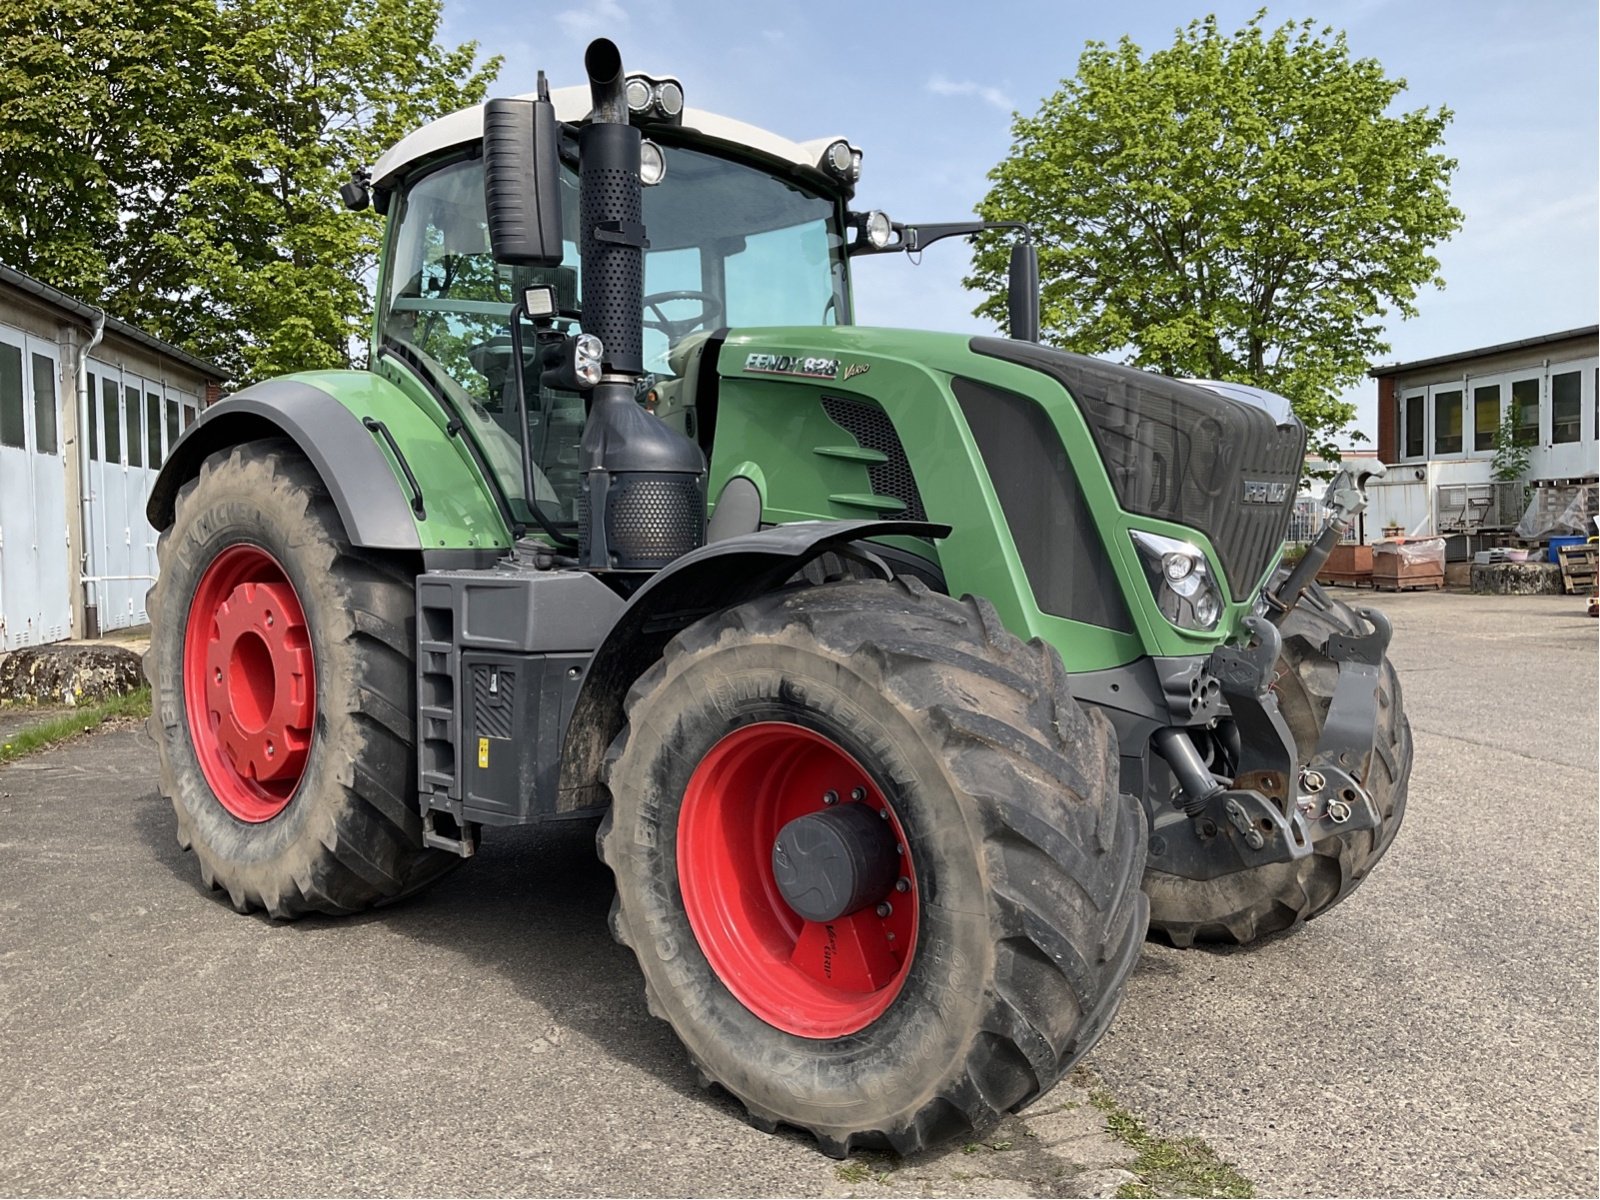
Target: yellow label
483 754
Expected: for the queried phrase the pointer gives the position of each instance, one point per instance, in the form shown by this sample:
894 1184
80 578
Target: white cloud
600 18
940 86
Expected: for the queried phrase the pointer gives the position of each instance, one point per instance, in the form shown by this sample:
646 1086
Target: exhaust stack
642 500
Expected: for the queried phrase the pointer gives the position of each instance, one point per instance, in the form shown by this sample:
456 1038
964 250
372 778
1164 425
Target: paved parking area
1434 1035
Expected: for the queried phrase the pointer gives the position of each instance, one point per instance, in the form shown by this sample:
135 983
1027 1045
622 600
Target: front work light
1181 580
652 163
877 229
586 355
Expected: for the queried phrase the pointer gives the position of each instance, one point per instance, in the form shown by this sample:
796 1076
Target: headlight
1180 579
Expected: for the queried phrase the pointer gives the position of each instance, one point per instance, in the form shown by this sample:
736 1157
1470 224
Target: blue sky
927 89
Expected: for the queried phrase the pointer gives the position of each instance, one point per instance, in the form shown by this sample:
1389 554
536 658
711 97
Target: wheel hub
257 670
835 862
249 682
797 880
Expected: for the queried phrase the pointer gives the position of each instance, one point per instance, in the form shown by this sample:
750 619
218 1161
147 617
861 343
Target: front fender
714 577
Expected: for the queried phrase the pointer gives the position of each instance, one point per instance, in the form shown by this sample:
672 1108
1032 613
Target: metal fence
1308 519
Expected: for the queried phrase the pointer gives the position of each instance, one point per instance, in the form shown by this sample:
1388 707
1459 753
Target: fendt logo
791 364
1257 491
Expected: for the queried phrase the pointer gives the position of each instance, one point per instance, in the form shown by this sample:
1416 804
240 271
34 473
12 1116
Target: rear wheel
1248 905
871 857
281 659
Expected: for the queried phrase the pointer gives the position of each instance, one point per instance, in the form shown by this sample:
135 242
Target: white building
1437 420
89 407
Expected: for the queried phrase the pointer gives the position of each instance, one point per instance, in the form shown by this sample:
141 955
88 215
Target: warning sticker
483 754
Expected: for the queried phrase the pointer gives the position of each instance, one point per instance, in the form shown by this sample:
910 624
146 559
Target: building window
1525 406
1447 422
131 408
110 406
44 406
12 431
1485 415
172 424
152 429
1566 407
1412 414
94 416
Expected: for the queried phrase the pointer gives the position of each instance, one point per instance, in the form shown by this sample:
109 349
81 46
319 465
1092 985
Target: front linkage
1274 812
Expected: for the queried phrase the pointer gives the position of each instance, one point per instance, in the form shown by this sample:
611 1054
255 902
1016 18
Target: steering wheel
710 313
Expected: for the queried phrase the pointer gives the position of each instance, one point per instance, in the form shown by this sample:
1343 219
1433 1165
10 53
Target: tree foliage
1241 208
178 160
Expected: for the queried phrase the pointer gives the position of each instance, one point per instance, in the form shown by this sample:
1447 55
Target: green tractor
909 678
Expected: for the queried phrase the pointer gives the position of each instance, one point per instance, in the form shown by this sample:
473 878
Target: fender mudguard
372 504
717 576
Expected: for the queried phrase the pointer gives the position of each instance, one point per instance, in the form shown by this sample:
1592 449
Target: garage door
35 590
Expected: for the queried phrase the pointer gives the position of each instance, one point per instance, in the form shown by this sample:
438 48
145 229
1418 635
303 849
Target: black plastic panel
1181 453
1067 564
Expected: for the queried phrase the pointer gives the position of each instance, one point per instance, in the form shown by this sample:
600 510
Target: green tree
214 143
1242 207
94 95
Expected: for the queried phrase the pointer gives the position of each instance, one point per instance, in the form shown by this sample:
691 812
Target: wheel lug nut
858 794
884 908
219 675
830 797
902 884
270 750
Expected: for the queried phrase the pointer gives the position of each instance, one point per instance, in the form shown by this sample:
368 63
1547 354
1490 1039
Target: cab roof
572 104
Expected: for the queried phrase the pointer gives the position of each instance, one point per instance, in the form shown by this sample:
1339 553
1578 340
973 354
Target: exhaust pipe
603 61
642 499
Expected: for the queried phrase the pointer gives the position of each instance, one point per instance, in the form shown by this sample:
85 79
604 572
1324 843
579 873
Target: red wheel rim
808 978
248 683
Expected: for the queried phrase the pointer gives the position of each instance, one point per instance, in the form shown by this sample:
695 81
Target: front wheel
872 859
281 664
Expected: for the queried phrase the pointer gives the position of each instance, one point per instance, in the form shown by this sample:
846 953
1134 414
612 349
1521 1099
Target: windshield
729 245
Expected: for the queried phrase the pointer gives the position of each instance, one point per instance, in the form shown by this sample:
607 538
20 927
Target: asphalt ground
1434 1035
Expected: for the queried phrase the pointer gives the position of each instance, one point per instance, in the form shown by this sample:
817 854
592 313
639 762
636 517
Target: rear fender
398 480
715 577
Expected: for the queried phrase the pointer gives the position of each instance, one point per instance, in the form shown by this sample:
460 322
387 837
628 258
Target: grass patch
859 1172
80 720
1168 1166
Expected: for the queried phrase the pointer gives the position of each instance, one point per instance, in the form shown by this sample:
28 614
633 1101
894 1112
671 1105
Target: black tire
1006 789
1249 905
350 836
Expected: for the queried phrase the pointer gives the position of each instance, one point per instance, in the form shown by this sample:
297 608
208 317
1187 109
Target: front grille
872 430
1183 454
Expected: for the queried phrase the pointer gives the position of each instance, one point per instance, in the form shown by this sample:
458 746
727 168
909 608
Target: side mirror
522 182
1022 293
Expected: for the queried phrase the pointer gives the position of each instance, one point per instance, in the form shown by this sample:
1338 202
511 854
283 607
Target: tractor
909 680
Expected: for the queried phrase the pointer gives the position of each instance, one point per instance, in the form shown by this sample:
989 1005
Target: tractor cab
744 228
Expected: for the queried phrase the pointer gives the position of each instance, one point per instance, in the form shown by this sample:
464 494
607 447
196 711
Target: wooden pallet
1578 568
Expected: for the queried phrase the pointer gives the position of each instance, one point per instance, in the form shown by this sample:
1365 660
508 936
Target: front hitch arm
1345 499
